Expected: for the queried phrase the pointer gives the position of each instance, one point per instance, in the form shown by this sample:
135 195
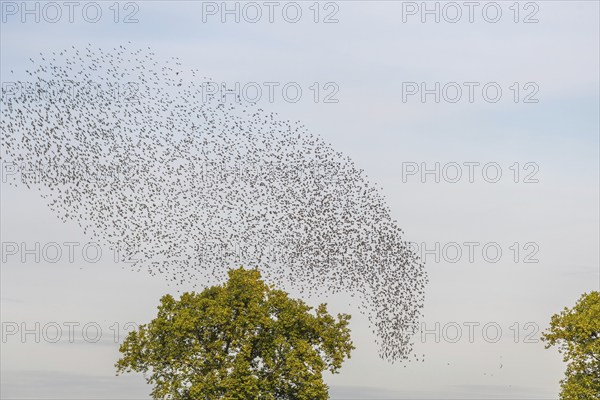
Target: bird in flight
189 185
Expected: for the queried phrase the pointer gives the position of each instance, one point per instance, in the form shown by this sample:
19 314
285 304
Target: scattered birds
187 185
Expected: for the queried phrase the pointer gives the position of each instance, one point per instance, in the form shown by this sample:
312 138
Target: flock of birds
131 149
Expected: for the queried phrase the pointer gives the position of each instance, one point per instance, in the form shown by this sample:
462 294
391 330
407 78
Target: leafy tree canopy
576 332
241 340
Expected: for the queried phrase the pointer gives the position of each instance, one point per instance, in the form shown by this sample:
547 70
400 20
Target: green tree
241 340
576 332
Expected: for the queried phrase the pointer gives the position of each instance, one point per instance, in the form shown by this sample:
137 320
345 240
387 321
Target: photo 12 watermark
474 332
270 92
476 252
70 91
470 172
73 332
452 12
99 173
469 92
52 12
252 12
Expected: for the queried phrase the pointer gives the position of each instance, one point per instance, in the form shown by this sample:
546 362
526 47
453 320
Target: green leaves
240 340
576 332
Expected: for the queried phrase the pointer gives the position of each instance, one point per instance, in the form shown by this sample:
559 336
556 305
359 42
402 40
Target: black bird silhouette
187 185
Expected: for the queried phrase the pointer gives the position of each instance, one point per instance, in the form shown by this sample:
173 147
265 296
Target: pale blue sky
368 54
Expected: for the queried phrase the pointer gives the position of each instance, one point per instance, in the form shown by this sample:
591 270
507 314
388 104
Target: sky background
369 54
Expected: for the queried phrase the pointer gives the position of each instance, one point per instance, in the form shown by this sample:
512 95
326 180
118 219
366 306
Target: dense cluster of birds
189 185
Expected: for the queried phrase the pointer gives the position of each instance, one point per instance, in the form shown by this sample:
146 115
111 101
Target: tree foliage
241 340
576 332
